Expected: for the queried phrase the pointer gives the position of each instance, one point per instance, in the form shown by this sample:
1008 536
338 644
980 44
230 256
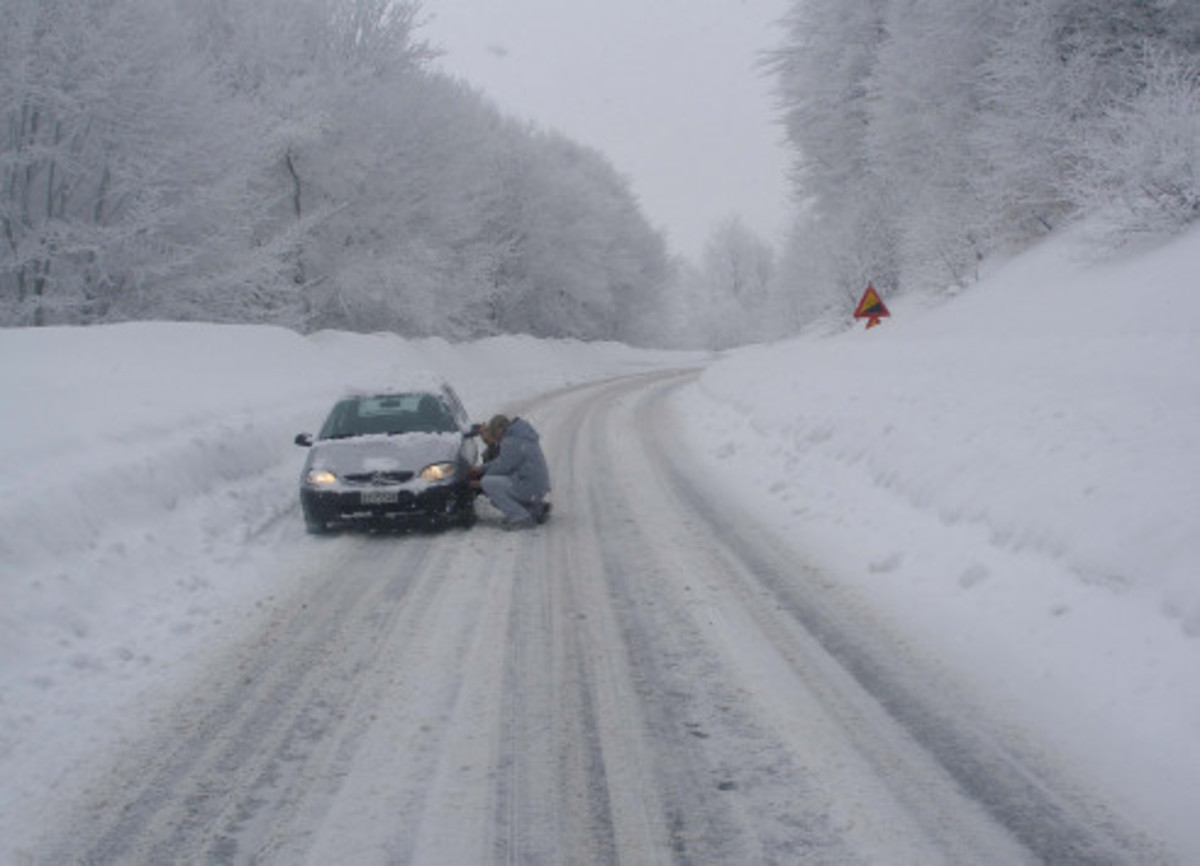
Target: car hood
410 452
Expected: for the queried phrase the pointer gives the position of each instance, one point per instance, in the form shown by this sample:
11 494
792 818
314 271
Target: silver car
390 459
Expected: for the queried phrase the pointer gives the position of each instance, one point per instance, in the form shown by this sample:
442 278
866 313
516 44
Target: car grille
378 479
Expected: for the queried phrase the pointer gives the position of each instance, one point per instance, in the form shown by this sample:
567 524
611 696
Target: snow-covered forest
302 163
930 134
294 162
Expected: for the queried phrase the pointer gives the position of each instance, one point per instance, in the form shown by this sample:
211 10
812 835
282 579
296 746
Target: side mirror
304 439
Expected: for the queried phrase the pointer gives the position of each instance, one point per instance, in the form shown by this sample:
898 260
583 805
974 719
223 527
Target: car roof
412 383
391 392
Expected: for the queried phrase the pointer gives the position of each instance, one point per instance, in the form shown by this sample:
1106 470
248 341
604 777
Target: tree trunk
295 175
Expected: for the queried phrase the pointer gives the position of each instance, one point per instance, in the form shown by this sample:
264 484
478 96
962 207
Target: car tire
316 527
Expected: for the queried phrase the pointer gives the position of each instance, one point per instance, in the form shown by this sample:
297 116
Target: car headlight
438 472
321 477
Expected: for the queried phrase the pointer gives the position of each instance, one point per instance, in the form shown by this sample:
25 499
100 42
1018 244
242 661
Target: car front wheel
466 511
315 526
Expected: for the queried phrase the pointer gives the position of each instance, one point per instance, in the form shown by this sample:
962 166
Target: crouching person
516 479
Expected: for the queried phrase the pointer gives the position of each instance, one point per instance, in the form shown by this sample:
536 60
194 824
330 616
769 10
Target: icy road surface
648 678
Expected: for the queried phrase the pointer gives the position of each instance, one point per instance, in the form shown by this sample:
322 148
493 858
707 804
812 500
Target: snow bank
1013 476
112 425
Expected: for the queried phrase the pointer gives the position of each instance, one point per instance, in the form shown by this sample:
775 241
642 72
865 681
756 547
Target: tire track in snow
914 715
270 743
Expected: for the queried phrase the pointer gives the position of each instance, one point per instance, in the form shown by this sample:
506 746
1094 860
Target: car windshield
388 414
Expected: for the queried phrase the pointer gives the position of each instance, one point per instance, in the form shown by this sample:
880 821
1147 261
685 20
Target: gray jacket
521 459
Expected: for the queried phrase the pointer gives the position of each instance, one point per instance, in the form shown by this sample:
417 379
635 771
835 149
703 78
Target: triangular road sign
871 307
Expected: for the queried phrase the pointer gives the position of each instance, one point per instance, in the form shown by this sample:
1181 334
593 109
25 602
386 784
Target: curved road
648 678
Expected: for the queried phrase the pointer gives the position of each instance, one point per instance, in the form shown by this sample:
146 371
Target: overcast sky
668 90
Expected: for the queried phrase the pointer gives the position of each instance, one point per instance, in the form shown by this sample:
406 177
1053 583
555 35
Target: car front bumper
381 506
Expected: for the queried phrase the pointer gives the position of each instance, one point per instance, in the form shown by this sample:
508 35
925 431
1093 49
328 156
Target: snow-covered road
651 677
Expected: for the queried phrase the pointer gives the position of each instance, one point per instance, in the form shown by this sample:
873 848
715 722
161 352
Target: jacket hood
522 429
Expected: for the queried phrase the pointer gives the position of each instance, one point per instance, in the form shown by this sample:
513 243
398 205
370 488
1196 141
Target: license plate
380 497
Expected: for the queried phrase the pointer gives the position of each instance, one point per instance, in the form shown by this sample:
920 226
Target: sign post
871 307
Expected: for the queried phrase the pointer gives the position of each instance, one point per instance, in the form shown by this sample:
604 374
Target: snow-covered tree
586 252
826 74
930 133
103 148
293 161
925 105
1144 160
729 297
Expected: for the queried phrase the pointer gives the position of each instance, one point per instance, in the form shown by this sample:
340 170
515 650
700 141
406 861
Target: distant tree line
295 162
929 134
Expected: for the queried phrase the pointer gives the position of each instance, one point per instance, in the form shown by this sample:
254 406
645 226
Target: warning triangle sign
871 307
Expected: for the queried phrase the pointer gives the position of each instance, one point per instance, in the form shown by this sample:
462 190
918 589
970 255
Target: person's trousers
498 489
